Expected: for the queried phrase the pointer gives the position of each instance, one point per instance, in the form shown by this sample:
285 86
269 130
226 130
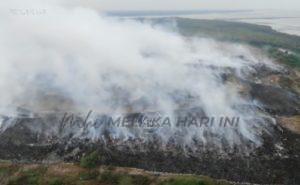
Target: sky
190 4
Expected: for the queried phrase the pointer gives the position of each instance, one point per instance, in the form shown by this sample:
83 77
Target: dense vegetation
255 35
240 32
287 58
263 37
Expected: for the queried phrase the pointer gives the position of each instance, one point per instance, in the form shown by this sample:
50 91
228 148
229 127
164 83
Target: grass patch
40 175
183 181
6 170
28 177
89 175
140 179
110 178
188 180
56 181
124 179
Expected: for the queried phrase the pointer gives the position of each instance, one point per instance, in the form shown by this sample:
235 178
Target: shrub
90 161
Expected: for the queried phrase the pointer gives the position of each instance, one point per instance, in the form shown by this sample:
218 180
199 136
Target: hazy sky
191 4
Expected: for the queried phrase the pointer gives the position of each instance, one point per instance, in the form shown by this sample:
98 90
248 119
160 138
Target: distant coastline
281 21
141 13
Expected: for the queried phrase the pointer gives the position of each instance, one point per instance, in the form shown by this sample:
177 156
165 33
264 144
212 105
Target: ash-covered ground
67 136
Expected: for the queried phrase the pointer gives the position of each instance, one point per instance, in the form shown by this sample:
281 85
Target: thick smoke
58 58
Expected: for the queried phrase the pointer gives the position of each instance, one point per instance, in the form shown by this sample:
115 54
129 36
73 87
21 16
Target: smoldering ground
146 121
74 58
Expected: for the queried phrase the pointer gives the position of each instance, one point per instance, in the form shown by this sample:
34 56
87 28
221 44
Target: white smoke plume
60 58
